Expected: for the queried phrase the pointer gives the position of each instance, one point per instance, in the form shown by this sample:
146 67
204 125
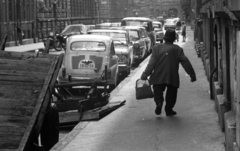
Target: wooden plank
23 94
8 83
20 56
28 95
29 79
23 73
51 87
42 104
16 111
10 143
14 121
28 65
10 131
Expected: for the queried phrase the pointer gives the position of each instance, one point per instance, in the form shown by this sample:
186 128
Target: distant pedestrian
178 25
163 69
184 31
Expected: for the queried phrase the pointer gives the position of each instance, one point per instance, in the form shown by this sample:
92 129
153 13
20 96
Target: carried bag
143 89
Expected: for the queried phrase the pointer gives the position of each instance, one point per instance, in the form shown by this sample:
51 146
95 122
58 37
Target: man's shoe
171 113
158 109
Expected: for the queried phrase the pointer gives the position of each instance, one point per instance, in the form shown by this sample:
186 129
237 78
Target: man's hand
193 79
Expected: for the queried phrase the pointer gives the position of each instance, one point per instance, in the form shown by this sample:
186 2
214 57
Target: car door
113 61
147 40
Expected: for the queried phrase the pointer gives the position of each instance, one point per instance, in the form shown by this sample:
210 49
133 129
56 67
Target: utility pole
55 15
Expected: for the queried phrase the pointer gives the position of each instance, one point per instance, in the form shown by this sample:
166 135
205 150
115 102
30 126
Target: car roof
157 22
137 18
90 37
107 30
76 25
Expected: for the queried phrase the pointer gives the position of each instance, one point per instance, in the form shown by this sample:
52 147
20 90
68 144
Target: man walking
163 69
184 31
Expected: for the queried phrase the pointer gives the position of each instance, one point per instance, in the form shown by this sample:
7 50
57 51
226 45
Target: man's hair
169 40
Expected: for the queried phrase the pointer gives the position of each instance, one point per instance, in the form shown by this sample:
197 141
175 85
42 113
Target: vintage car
158 31
169 24
123 48
87 58
141 41
107 25
75 29
141 21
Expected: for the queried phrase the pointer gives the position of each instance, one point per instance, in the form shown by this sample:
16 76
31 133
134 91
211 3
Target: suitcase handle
142 80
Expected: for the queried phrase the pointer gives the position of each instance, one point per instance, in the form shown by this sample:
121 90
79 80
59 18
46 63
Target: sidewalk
135 127
26 48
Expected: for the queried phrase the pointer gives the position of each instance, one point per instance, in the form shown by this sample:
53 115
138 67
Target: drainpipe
212 44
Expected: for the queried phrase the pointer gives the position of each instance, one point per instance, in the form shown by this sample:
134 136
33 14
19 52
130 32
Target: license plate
86 66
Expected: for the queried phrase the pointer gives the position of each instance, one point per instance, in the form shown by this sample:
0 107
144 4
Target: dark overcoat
164 63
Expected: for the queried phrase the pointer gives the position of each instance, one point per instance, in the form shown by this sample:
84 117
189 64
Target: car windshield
115 36
156 25
133 35
158 29
169 21
75 29
135 22
88 46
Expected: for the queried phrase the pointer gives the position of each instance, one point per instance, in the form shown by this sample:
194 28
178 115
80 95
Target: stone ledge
223 107
235 146
230 130
217 90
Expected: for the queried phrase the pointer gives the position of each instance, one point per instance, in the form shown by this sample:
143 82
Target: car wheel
161 41
57 45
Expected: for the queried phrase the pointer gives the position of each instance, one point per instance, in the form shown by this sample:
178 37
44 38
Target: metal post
55 15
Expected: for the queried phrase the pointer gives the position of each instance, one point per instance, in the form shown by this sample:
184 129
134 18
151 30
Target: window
133 35
88 46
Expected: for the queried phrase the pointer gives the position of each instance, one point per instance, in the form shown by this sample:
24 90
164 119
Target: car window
75 29
112 51
114 35
169 21
134 35
88 46
155 25
135 22
144 33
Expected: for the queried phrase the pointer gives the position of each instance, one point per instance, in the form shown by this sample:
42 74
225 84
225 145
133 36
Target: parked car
160 19
141 41
123 48
158 31
141 21
107 25
85 59
169 24
75 29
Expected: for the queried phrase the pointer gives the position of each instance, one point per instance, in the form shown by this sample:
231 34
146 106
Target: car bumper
62 81
169 27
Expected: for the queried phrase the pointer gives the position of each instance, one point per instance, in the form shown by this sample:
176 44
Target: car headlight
122 58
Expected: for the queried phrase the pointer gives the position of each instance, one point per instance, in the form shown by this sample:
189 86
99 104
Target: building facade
29 21
217 36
